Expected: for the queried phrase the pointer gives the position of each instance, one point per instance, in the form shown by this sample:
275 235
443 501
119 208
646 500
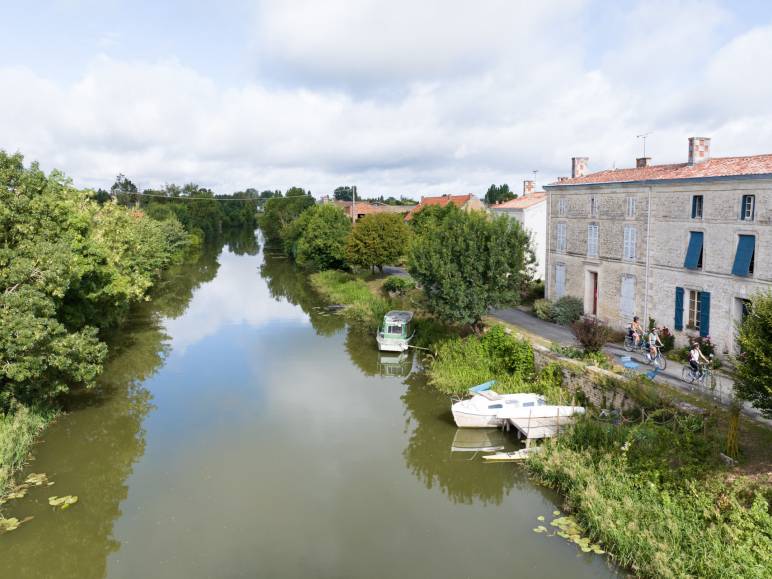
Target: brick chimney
579 166
642 162
699 150
528 187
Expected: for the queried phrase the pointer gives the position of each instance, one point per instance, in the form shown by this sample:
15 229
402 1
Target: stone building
691 263
531 211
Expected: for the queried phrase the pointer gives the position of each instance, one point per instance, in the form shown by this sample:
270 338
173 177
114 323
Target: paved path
723 393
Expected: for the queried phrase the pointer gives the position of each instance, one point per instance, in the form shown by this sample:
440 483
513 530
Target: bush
533 291
668 340
544 309
754 368
398 284
508 354
592 334
567 310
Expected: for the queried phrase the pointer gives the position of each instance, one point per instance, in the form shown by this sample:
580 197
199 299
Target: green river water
240 431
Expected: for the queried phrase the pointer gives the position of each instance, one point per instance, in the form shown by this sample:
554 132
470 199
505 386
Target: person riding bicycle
695 355
636 331
654 342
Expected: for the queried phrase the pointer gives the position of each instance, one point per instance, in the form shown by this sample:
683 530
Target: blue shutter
694 250
746 245
679 308
704 314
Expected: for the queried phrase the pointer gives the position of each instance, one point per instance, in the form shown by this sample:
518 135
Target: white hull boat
484 408
396 332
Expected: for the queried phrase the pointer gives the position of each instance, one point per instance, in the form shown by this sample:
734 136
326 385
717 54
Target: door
594 286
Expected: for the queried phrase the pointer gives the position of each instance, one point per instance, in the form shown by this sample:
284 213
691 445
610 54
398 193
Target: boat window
526 404
394 330
496 406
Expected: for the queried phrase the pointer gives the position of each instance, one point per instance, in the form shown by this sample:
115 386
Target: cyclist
695 355
654 341
636 331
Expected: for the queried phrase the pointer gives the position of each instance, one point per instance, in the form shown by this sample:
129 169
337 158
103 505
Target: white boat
396 332
482 410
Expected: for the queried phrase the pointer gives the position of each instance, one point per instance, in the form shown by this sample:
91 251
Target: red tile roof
441 201
522 202
717 167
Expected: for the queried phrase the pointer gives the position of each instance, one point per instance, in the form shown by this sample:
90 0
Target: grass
362 304
653 497
18 430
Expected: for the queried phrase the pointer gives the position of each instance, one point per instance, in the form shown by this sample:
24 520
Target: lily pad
62 502
540 518
556 513
8 525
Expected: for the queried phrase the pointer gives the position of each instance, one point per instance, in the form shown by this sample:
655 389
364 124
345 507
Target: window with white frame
593 206
631 206
560 280
630 240
562 206
560 232
695 307
592 240
627 293
748 207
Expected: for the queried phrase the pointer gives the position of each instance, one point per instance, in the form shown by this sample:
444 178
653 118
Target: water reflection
429 453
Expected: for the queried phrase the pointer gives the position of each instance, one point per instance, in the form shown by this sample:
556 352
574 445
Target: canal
240 430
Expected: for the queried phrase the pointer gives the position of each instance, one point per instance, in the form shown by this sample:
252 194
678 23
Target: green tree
498 194
377 239
322 244
754 364
343 193
279 212
124 191
469 262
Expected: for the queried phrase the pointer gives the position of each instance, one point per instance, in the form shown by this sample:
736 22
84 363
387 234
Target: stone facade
638 272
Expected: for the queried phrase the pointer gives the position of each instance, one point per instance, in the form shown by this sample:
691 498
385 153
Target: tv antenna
643 136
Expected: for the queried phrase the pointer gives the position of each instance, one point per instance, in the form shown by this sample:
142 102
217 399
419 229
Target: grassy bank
18 431
363 304
656 499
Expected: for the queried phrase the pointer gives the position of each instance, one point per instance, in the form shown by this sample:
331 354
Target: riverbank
18 431
654 493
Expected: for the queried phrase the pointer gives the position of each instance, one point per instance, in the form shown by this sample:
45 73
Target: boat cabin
396 332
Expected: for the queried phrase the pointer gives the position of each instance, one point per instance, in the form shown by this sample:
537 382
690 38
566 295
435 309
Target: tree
322 243
280 212
343 193
124 191
470 262
754 364
498 194
377 239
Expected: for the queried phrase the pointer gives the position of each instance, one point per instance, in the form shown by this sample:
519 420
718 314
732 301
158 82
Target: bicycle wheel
687 374
660 361
628 344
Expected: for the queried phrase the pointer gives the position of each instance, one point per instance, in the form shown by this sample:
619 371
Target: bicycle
658 360
704 376
630 344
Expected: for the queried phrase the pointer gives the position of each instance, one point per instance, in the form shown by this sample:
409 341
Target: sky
405 97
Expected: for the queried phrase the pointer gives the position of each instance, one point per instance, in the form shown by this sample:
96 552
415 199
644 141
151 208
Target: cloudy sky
398 97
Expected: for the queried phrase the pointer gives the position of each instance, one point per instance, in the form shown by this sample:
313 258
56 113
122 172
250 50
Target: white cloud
412 98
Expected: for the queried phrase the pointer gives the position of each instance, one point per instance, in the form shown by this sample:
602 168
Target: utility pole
353 204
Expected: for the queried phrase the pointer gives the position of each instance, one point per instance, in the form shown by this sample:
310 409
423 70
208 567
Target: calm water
241 432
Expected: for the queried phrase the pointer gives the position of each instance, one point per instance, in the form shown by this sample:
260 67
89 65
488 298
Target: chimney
528 187
699 150
579 166
642 162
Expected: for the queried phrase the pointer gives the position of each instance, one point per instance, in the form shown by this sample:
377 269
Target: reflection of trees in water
360 346
285 281
241 241
91 451
429 457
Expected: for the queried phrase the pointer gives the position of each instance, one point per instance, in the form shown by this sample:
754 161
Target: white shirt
694 355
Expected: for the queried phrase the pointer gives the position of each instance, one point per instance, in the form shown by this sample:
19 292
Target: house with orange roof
530 210
687 244
356 211
468 202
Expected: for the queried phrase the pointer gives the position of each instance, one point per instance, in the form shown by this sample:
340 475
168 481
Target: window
630 239
695 309
631 206
593 206
697 207
627 301
560 280
744 259
592 240
748 207
560 231
394 330
562 206
694 251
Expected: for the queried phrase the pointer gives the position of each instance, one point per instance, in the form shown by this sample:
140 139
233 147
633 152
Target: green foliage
322 242
18 428
343 288
469 262
592 334
544 310
398 284
651 494
508 354
567 310
279 212
533 291
754 364
498 194
377 239
345 193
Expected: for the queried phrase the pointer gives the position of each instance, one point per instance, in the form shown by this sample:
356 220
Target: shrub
668 339
592 334
544 309
754 367
533 291
398 284
567 310
508 354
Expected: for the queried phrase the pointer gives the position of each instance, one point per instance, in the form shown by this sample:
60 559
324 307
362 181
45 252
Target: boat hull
470 420
389 345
